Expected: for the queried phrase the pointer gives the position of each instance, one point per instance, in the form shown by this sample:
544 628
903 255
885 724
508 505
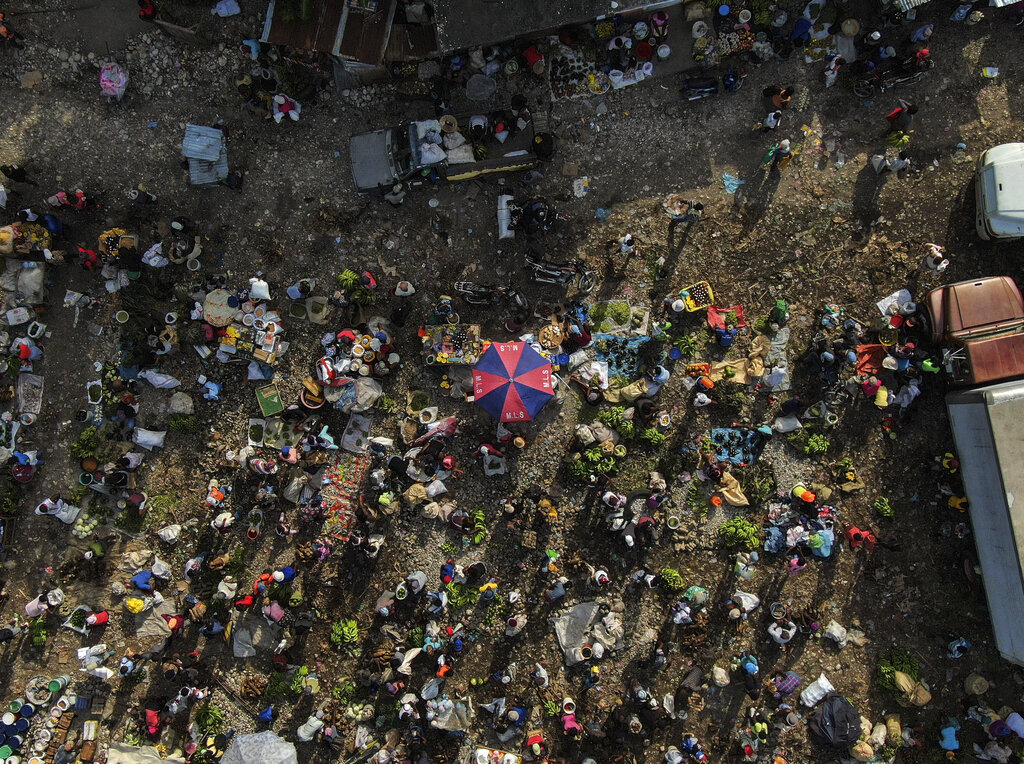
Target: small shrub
344 633
386 405
730 394
86 445
348 279
759 485
695 500
883 507
345 692
416 636
277 686
37 630
897 660
671 579
739 532
816 444
652 437
688 344
209 718
184 424
236 561
459 596
11 494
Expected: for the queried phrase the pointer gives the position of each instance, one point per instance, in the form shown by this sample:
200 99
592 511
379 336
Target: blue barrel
21 725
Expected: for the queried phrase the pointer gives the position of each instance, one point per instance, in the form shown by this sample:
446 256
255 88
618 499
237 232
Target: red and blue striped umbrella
512 381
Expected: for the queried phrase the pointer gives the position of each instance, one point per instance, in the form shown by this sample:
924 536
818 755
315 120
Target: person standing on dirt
16 173
7 34
141 197
779 96
147 10
901 118
782 154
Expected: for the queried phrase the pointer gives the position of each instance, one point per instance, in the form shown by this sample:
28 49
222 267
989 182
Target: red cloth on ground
869 358
717 314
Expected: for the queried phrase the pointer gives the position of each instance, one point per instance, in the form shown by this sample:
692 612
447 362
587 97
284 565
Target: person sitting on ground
784 684
782 630
858 538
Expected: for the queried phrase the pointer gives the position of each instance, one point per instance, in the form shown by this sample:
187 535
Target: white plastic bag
816 691
436 488
149 439
157 379
787 424
259 289
170 533
836 632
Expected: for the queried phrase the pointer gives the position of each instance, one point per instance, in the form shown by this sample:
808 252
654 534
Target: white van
999 191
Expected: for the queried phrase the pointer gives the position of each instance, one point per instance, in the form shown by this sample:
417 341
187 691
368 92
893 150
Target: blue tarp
613 349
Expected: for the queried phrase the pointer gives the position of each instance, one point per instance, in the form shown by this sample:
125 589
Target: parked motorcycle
573 272
695 88
487 294
882 81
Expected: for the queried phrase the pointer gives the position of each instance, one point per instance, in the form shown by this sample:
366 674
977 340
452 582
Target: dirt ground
825 230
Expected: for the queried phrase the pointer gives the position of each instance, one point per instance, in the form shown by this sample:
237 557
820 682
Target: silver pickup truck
385 157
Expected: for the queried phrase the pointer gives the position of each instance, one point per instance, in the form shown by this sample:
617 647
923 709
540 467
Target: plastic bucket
8 719
647 68
85 478
21 725
615 75
664 51
16 705
58 684
192 265
673 522
27 710
121 316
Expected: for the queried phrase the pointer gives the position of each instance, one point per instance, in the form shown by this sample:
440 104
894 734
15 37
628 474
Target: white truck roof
989 440
1002 173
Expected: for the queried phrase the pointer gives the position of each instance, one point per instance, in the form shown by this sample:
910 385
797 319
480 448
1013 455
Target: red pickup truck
981 323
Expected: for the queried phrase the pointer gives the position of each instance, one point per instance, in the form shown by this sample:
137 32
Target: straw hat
448 123
278 576
404 289
678 306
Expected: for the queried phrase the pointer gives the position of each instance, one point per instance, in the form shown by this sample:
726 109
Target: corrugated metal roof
203 173
317 32
906 5
201 142
206 153
466 23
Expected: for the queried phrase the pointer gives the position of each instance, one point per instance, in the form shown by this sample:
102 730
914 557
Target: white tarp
261 748
120 753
